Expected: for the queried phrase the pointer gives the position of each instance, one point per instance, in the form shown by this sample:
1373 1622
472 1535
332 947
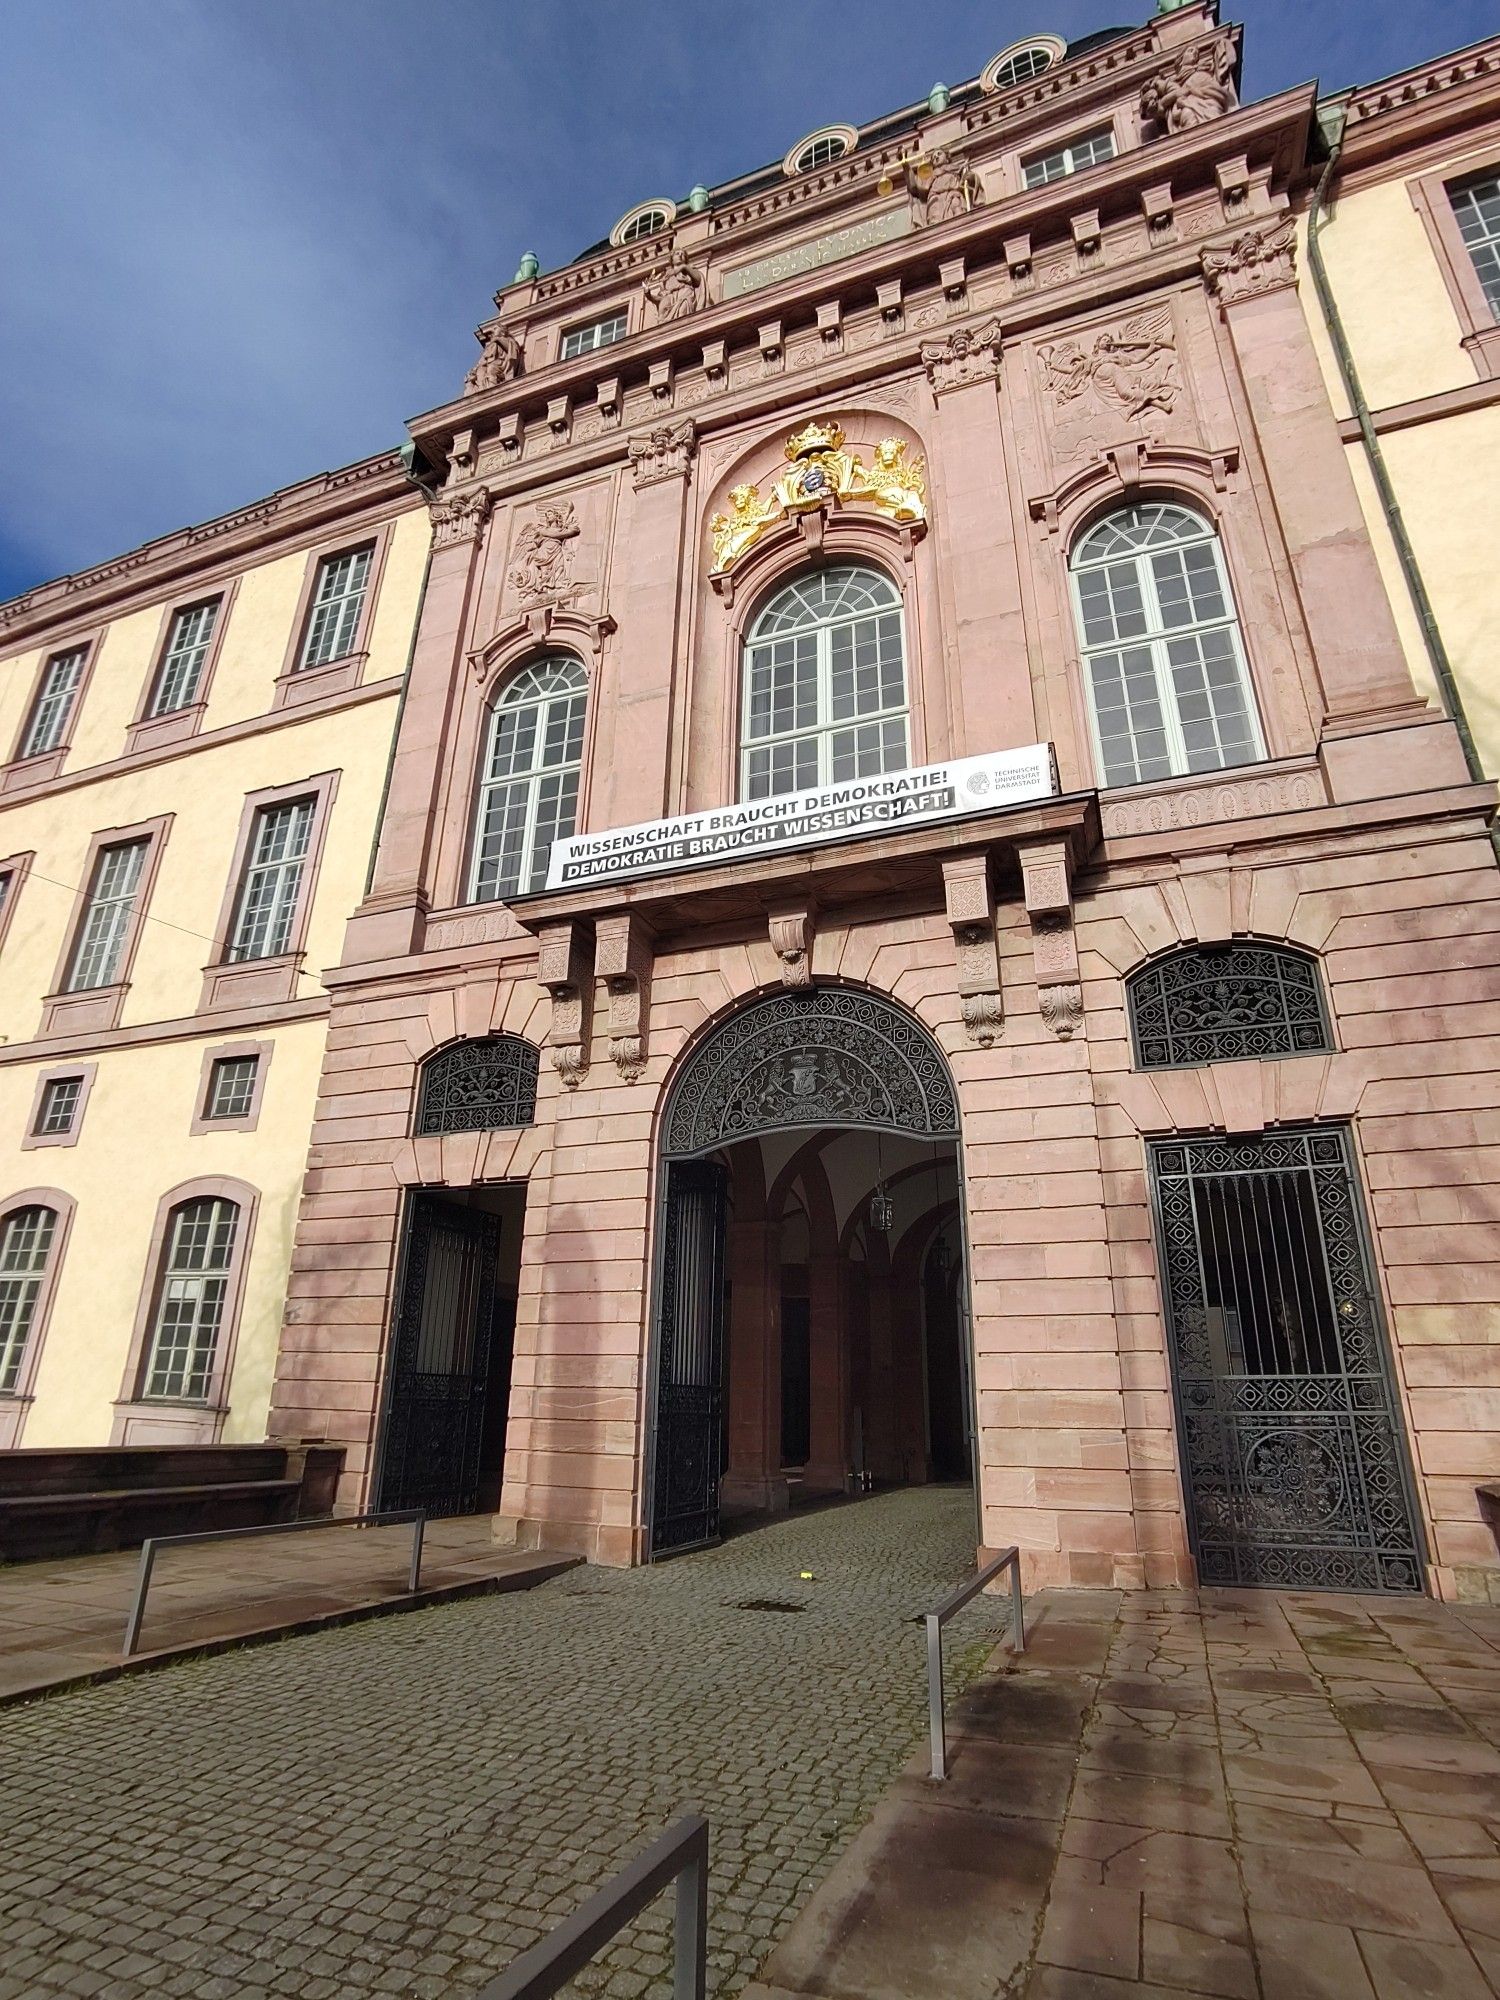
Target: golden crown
814 438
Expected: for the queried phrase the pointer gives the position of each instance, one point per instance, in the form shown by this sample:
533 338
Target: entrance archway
809 1152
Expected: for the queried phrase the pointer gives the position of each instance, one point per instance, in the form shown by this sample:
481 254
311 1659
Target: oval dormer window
649 219
1021 62
820 149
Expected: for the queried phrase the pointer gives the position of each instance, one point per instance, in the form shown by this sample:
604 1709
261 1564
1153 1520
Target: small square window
231 1087
586 339
58 1107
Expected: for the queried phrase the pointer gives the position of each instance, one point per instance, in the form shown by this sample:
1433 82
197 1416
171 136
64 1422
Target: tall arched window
528 788
26 1239
193 1287
1168 688
824 684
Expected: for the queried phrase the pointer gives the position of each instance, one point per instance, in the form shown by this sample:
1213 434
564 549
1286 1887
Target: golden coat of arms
821 473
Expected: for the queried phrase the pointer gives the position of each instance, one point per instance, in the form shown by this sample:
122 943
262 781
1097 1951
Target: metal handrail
680 1855
935 1621
417 1516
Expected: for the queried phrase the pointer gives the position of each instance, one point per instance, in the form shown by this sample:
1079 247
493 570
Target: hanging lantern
882 1211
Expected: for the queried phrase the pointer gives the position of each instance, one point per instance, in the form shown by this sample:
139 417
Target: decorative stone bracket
968 354
792 931
562 970
1054 949
665 452
623 958
459 518
970 901
1263 260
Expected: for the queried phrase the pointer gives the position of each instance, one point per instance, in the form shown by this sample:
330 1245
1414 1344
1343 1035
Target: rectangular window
182 660
231 1087
194 1284
7 886
267 907
1069 159
338 600
1477 209
584 339
105 925
25 1245
54 702
58 1107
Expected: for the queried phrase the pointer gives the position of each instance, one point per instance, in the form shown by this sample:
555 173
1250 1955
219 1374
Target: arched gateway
843 1092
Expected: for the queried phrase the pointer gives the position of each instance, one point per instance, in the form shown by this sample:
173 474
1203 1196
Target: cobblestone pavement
399 1807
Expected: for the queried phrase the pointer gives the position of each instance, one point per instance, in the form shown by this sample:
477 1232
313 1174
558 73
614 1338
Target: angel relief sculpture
544 555
1129 370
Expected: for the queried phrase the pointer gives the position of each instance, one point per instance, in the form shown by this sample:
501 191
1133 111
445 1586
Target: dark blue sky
244 239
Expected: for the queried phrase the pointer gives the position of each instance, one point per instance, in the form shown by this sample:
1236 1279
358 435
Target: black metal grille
690 1351
1226 1005
1295 1466
478 1086
828 1056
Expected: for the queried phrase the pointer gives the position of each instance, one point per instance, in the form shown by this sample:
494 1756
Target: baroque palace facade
928 915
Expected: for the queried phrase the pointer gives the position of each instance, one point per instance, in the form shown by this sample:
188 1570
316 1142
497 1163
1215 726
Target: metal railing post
414 1582
690 1927
935 1621
138 1607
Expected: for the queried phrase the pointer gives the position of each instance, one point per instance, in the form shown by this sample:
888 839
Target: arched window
1168 689
649 219
478 1086
824 684
820 149
1226 1003
1021 62
528 789
27 1236
193 1286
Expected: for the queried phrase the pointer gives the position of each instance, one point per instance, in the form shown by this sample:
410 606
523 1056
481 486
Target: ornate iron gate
690 1357
1294 1461
440 1358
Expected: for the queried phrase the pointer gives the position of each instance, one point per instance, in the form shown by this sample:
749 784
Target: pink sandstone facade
909 364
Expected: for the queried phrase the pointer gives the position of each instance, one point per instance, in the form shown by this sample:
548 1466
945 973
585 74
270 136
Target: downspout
1331 117
408 466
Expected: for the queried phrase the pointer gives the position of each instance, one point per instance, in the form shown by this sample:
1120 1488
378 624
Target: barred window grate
273 881
190 1307
25 1245
58 1107
231 1087
528 797
1226 1004
338 600
54 703
100 950
478 1086
825 685
182 662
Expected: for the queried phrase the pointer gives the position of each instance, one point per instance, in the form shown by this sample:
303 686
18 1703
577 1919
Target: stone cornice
221 1026
295 513
1434 92
1271 134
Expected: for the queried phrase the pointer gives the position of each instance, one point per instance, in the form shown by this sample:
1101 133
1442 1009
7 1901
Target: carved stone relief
499 360
623 960
563 972
1054 949
968 354
1198 87
792 941
674 291
459 518
556 547
970 904
1262 260
663 453
1246 799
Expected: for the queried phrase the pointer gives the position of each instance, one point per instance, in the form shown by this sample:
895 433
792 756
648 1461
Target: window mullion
825 706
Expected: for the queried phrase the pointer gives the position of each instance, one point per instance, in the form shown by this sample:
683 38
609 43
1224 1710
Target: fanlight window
1226 1004
824 684
1168 688
820 149
528 789
648 220
1021 62
479 1086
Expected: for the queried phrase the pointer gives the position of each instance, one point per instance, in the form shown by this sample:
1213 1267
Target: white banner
807 819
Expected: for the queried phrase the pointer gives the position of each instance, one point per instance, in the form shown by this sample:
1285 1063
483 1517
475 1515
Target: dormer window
599 333
820 149
649 219
1021 62
1088 151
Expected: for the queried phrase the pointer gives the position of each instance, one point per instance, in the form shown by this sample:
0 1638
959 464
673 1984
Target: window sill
155 732
142 1421
24 771
1483 349
250 982
82 1013
13 1410
312 683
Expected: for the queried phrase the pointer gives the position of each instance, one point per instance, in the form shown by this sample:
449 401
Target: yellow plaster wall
135 1145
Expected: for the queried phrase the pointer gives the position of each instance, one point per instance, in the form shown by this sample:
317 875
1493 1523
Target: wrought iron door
440 1358
690 1358
1294 1460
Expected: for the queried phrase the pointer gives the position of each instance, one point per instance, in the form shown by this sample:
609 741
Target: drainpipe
408 466
1331 118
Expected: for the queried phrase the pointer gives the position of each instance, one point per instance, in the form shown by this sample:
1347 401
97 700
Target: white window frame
580 340
1067 155
516 698
647 218
1487 240
1155 639
185 655
104 925
827 725
52 705
23 1277
336 607
203 1288
999 72
284 872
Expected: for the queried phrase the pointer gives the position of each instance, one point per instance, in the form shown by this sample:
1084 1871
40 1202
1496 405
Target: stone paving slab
1187 1795
62 1622
400 1807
